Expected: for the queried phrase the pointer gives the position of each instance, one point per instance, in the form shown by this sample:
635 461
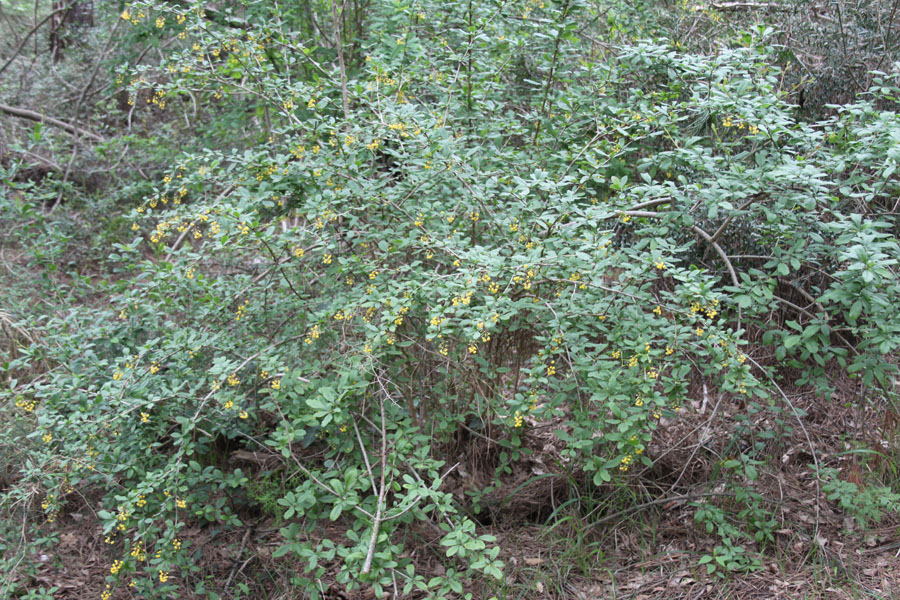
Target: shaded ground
561 538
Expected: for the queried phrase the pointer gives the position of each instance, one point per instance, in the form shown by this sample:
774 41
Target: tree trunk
65 23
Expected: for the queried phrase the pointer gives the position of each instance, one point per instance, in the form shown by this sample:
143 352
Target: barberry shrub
466 216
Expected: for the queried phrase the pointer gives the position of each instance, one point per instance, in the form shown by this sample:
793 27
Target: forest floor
643 543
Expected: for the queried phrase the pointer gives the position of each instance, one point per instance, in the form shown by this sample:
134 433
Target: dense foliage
402 224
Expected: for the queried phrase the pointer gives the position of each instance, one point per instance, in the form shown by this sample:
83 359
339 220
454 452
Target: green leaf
792 340
335 512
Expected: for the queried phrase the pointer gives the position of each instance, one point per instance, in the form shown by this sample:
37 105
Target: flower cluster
25 404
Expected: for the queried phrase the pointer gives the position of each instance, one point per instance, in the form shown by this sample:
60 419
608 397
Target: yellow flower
163 576
699 331
276 384
145 417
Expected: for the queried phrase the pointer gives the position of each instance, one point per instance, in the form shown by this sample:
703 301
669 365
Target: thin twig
365 454
706 428
812 448
382 491
345 96
721 252
240 551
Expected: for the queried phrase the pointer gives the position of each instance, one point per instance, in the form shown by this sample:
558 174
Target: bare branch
340 53
382 491
751 5
718 248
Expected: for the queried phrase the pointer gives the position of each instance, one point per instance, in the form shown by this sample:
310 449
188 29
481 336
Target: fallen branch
24 113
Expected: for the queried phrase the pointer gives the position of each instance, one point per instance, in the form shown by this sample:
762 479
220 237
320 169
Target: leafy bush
464 220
